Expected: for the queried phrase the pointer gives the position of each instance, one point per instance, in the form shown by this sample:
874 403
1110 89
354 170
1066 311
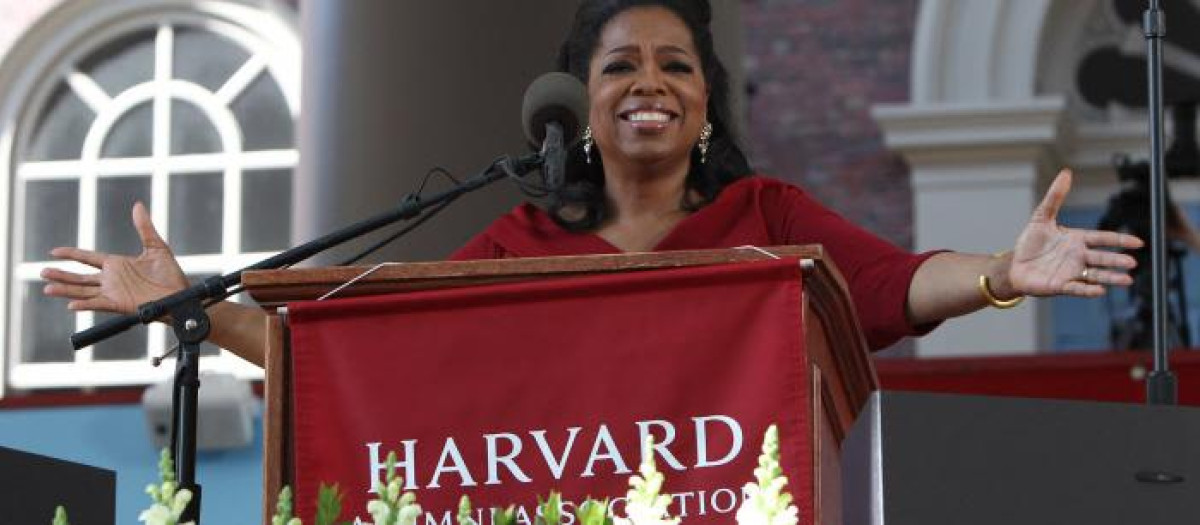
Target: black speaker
31 486
931 459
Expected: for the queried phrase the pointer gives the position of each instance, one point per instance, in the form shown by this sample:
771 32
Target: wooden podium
841 371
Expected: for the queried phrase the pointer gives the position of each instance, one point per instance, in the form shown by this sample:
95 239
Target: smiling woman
642 62
659 169
649 95
649 106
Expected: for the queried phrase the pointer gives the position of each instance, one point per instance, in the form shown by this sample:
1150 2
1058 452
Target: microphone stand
1161 387
192 325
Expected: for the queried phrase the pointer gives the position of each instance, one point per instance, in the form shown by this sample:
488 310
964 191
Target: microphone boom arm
217 287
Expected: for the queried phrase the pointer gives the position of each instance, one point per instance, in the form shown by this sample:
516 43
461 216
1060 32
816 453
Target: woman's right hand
123 282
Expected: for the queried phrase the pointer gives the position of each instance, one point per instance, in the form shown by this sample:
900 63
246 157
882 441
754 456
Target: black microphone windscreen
555 97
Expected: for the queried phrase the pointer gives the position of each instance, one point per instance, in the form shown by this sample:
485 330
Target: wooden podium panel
841 374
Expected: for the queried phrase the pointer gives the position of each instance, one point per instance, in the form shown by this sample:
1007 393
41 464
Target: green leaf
283 507
391 468
60 516
592 512
464 511
506 516
329 505
166 466
549 511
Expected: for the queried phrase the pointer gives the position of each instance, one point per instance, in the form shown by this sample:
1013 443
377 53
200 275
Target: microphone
555 98
554 113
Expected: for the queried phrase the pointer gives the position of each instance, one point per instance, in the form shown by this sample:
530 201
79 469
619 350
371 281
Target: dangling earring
705 135
587 144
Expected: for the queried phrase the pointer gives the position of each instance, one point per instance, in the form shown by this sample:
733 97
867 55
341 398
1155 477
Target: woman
658 170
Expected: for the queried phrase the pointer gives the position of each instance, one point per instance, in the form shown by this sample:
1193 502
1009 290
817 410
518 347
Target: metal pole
1160 385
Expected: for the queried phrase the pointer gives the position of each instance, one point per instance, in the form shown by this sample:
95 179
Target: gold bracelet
986 291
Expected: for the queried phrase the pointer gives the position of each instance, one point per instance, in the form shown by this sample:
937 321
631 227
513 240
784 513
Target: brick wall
814 68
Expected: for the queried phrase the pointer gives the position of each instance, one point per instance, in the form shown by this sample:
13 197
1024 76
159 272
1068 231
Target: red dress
756 211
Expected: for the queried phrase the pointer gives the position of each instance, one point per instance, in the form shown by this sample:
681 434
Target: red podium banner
503 392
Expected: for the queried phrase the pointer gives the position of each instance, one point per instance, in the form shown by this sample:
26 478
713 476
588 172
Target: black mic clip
554 156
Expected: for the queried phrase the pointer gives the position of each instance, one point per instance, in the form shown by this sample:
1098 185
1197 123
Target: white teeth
649 116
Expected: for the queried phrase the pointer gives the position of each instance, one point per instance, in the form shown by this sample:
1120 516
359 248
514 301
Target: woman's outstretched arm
124 282
1048 259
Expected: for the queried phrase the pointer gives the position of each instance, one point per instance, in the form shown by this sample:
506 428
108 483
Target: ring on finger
1085 275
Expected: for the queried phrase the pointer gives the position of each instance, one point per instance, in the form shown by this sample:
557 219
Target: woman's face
648 95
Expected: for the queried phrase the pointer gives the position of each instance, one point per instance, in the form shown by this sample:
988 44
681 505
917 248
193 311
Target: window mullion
240 80
88 90
164 49
176 164
88 195
160 182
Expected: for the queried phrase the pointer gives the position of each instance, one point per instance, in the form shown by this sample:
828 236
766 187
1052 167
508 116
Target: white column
977 173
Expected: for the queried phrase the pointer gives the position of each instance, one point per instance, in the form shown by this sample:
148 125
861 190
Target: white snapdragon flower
167 508
283 509
391 506
155 515
402 510
644 503
180 501
380 512
408 512
767 502
393 490
167 500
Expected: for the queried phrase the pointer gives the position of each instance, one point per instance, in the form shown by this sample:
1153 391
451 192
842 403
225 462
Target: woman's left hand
1050 259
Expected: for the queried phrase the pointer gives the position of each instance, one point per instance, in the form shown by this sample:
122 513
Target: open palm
123 282
1051 259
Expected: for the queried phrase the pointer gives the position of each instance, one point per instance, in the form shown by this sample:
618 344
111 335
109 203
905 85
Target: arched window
189 109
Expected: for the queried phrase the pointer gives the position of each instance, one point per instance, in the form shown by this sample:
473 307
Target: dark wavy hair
583 189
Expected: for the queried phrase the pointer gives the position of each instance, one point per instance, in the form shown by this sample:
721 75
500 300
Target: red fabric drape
563 371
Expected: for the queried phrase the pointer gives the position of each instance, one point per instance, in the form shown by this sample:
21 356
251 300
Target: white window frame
43 58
